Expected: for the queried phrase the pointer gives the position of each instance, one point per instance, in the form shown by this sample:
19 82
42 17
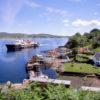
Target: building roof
97 55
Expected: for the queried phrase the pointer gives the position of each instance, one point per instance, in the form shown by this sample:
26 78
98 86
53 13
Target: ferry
21 44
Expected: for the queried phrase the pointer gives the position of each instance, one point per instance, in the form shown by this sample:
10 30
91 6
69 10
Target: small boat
21 44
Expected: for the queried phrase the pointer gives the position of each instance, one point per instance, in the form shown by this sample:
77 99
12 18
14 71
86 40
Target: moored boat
21 44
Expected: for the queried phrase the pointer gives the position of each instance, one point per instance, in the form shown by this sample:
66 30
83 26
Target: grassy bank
97 50
48 92
82 58
81 68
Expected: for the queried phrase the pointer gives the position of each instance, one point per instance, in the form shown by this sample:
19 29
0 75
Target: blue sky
58 17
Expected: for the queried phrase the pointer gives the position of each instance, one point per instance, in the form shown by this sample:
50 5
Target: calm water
12 64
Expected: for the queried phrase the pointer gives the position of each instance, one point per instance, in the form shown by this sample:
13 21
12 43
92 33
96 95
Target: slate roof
97 56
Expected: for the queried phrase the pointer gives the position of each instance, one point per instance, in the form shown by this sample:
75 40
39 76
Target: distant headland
23 35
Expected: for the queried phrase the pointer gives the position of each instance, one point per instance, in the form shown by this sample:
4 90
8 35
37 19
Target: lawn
82 58
97 50
81 68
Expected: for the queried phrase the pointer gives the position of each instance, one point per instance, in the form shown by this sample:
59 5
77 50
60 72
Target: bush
37 91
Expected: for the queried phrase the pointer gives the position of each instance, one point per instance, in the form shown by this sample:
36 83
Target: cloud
50 9
98 4
33 4
83 23
77 0
61 12
10 8
66 22
96 13
47 8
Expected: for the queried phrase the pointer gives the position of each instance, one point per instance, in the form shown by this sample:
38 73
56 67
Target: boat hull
14 47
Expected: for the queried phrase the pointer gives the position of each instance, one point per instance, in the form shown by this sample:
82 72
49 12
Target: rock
8 83
25 82
5 89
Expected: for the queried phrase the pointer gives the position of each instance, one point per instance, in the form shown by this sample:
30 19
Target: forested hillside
91 40
23 35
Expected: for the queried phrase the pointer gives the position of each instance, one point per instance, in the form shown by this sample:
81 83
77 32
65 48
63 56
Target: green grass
82 58
97 50
81 68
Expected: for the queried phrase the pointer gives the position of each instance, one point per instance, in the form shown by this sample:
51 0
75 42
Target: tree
95 38
77 41
72 43
94 30
96 42
74 53
77 34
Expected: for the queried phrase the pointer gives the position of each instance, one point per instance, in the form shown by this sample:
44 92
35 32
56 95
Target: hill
23 35
91 39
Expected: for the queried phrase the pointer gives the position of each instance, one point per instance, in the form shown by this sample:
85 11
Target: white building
96 58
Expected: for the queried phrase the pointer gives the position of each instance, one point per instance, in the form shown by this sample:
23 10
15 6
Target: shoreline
57 65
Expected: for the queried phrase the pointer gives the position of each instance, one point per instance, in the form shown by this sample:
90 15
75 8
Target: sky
57 17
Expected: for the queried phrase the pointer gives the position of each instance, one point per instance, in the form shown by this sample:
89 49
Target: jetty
95 89
34 73
34 65
52 81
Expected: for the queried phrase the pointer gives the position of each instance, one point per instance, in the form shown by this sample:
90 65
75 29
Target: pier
33 66
53 81
95 89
